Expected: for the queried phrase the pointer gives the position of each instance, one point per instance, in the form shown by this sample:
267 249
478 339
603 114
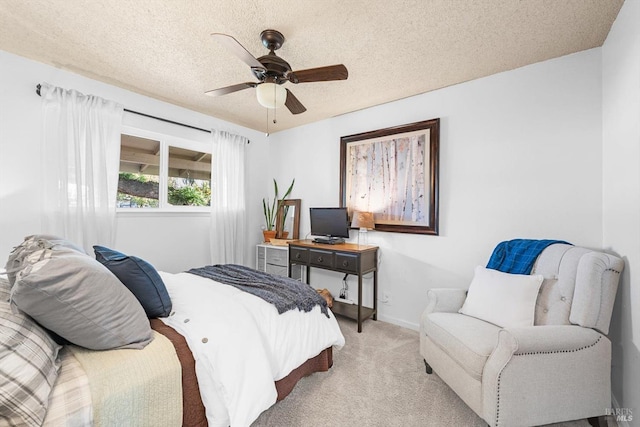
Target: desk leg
375 295
359 303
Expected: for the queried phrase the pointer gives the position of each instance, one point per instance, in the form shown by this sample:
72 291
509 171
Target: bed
220 356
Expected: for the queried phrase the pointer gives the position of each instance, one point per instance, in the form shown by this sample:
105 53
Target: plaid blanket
518 256
283 292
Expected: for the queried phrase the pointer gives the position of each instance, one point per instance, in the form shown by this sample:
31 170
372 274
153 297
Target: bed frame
193 412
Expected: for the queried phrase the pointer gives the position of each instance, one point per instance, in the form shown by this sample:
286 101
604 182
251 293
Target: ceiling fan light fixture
271 95
272 72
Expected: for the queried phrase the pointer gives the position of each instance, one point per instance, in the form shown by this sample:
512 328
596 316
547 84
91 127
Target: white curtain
228 211
81 157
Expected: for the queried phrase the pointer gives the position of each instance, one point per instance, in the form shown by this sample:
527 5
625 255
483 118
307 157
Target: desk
344 258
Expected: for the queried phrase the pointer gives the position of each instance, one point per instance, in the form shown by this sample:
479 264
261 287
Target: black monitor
330 225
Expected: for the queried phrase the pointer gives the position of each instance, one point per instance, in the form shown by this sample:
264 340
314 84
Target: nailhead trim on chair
532 353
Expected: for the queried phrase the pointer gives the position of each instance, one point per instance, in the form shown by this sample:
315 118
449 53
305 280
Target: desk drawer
297 255
321 258
347 262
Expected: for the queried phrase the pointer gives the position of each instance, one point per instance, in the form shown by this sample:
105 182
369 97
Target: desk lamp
363 221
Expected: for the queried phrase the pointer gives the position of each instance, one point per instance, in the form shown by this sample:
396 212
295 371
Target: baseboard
399 322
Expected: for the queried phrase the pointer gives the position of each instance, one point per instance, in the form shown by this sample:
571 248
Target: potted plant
271 211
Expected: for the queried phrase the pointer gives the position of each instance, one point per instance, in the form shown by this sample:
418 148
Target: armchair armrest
539 374
445 300
549 338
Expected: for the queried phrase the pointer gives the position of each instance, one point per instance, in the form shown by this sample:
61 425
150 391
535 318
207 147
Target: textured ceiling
393 49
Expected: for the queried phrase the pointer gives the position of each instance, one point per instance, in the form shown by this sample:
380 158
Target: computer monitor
329 225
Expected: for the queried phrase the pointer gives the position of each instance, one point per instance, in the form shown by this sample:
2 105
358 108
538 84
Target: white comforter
241 344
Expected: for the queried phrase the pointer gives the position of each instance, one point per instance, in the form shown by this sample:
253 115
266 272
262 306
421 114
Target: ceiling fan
272 72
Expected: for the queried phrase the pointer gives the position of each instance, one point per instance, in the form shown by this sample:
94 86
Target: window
161 172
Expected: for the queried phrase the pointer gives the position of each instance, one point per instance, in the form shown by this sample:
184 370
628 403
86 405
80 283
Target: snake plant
271 210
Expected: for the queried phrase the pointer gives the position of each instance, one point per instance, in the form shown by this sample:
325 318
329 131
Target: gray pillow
30 250
28 359
79 299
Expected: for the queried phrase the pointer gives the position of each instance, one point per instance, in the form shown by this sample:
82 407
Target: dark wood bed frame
193 412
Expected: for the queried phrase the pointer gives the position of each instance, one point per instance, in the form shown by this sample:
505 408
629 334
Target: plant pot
268 235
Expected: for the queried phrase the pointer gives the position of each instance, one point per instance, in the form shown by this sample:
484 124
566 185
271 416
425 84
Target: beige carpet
377 379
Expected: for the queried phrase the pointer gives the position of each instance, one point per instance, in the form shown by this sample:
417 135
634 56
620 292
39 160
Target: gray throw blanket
283 292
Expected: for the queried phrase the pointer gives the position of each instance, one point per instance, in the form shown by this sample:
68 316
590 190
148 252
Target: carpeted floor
377 379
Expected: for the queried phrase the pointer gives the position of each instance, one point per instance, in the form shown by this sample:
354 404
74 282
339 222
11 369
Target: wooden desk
344 258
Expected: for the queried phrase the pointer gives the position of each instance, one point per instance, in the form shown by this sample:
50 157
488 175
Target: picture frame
393 172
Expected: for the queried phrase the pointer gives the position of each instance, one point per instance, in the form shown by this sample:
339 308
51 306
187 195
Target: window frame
166 141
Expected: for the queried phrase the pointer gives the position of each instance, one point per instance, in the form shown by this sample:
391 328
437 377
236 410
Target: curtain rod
39 86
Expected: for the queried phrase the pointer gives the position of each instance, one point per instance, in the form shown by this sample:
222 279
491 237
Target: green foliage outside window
142 191
191 194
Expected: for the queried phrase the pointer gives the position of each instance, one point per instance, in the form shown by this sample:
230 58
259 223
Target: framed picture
393 173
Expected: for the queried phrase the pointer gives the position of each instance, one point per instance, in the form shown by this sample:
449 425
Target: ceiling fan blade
293 104
234 46
320 74
230 89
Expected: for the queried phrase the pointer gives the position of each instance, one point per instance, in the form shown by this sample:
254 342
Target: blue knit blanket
518 256
283 292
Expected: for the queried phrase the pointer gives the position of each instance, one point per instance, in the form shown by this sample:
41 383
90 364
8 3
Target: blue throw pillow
140 278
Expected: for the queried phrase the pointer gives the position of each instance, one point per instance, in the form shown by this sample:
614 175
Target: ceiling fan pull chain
267 134
275 108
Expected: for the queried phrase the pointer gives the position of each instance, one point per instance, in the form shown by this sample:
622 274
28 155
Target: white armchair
557 370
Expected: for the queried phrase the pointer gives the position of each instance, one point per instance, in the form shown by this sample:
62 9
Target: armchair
556 370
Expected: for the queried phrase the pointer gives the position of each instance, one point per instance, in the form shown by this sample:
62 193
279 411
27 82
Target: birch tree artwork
389 177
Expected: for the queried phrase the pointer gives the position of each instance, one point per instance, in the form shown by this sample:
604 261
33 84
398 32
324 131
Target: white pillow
507 300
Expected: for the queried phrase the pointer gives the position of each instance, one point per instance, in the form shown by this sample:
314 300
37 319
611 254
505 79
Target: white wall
520 158
171 242
621 195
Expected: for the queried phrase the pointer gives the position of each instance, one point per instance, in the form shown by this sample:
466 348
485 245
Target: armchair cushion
503 299
467 340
